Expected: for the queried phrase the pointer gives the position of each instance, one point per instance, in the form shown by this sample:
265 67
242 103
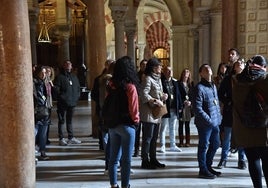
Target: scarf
251 72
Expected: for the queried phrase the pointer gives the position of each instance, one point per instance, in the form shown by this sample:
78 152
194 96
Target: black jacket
39 92
67 88
177 96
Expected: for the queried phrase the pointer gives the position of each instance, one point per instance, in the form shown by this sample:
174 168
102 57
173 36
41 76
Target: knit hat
259 60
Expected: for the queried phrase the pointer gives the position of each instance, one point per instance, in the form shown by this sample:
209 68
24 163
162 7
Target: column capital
130 27
204 14
118 12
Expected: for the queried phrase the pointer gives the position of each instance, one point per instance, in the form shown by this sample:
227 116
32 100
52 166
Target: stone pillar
130 27
205 35
229 27
141 48
196 65
181 50
96 48
63 31
17 160
118 15
216 33
64 47
33 18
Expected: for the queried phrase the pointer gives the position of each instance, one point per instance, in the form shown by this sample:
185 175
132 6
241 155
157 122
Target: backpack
115 108
255 113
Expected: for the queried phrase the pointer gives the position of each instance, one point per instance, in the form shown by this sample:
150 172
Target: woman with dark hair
40 102
253 139
221 72
151 95
186 86
122 137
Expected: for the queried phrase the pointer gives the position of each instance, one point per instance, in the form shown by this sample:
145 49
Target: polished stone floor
82 166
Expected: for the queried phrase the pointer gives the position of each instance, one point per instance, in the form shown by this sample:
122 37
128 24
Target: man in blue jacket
68 92
207 119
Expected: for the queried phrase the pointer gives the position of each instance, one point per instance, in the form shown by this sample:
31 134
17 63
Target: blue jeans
41 133
106 147
122 139
209 142
226 144
171 122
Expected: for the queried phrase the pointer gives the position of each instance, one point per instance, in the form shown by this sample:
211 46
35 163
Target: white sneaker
74 141
62 142
162 149
175 148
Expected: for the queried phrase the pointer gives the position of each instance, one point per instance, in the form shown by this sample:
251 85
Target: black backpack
115 108
255 113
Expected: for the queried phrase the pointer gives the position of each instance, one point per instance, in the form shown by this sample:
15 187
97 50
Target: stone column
181 49
229 27
17 160
63 30
141 48
205 35
215 44
196 65
64 47
33 18
118 15
96 48
130 27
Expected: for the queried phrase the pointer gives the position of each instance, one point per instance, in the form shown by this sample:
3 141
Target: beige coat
151 88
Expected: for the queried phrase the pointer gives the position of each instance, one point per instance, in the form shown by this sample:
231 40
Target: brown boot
181 137
187 144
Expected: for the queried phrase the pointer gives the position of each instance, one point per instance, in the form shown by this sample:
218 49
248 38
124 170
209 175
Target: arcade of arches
182 33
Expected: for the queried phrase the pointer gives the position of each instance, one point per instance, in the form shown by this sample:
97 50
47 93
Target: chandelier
43 35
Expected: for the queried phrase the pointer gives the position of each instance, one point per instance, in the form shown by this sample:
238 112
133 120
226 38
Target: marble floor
82 166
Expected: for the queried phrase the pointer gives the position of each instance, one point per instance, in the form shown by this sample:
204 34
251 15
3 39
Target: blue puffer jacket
206 104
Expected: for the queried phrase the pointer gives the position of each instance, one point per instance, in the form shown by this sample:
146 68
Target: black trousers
63 112
257 163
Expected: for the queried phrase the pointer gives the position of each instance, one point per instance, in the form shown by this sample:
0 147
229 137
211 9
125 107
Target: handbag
159 111
41 112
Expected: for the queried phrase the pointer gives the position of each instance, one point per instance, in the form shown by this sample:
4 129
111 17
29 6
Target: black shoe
207 175
156 163
212 171
136 154
242 165
222 164
147 165
43 156
48 142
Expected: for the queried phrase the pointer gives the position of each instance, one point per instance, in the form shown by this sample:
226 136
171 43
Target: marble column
17 159
215 40
63 30
130 28
181 49
205 35
141 48
96 48
118 15
33 18
64 46
229 27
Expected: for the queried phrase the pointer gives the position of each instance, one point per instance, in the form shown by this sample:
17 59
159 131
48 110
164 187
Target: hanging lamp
43 35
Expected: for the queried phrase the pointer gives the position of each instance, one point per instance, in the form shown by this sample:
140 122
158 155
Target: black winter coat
67 88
